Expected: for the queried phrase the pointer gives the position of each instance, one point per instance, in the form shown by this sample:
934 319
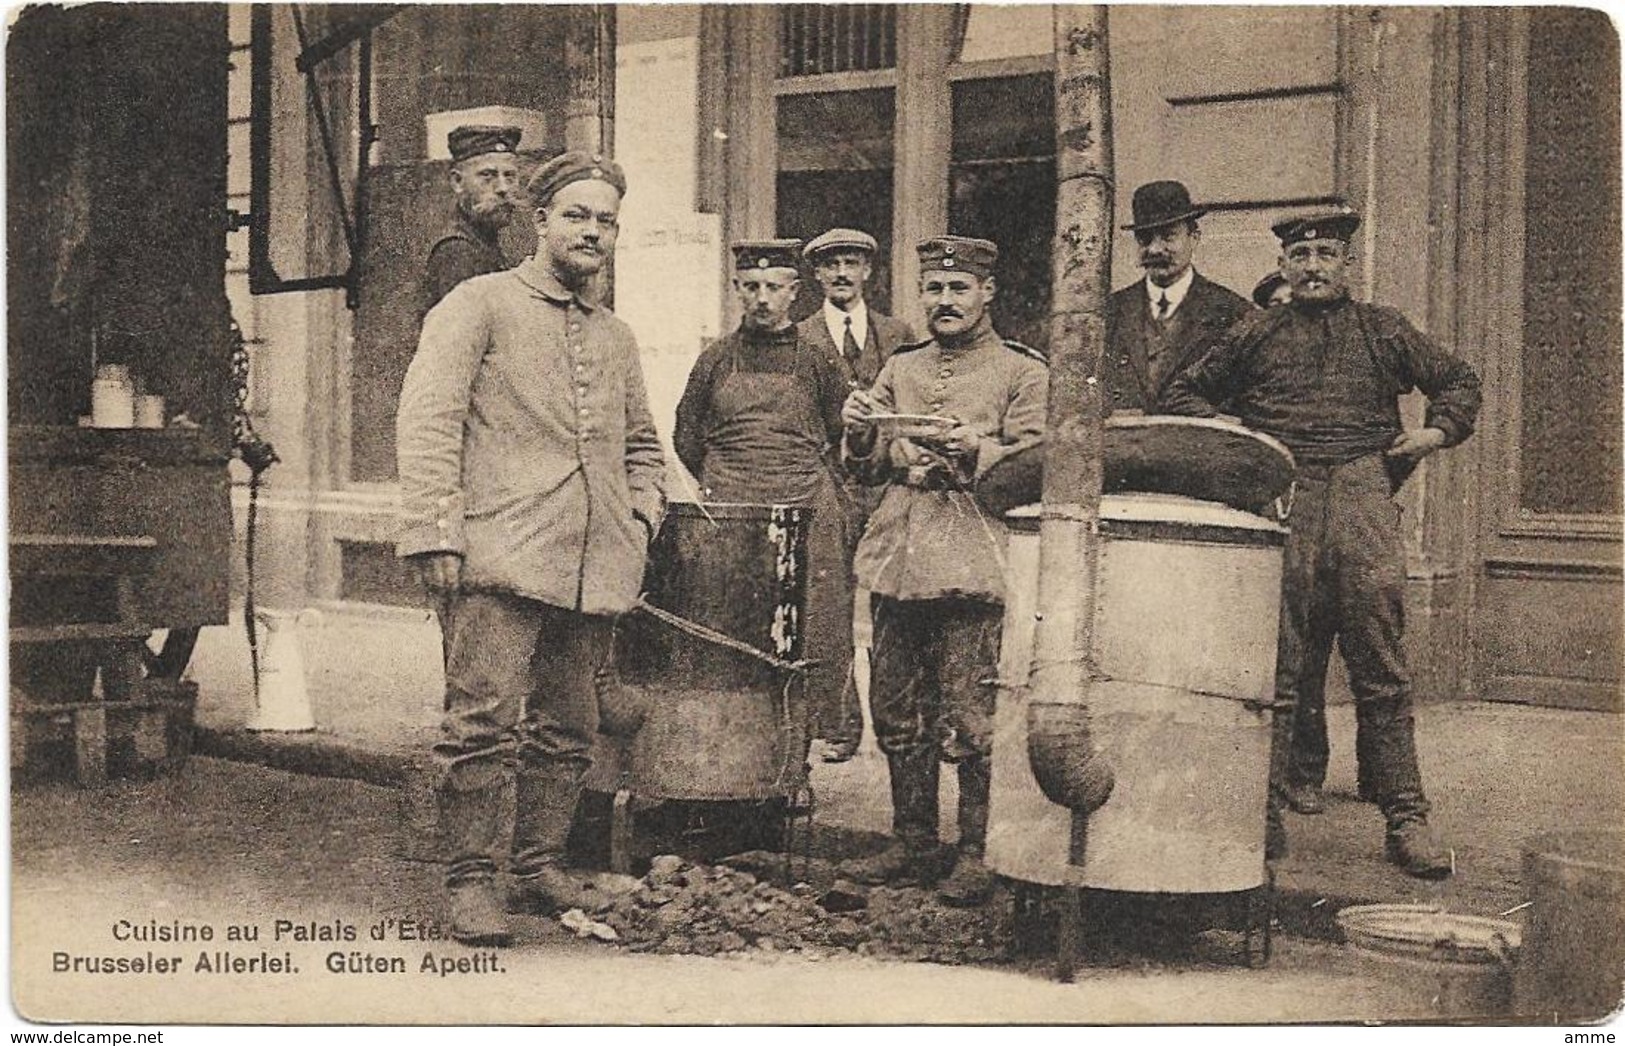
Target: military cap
1157 204
1265 289
765 254
478 139
958 254
568 167
840 239
1333 225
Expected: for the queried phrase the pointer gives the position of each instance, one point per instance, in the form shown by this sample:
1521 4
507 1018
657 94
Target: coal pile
681 907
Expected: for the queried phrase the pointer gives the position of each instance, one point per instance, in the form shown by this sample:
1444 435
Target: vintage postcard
850 514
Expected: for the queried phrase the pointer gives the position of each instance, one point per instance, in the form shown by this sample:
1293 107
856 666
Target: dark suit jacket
885 334
1206 313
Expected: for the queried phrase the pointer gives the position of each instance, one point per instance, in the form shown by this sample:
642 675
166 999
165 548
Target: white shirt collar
1176 293
835 320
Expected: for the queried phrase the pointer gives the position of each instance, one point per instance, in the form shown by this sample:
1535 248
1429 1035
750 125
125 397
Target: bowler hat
1162 203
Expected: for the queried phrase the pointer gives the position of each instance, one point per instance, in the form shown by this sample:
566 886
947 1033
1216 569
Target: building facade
1481 145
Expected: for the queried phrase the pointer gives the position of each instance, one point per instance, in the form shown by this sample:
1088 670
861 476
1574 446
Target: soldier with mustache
934 561
484 187
1323 374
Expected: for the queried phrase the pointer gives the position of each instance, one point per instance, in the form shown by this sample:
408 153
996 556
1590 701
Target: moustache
946 312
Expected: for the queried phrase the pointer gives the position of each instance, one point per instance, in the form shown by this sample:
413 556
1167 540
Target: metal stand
1259 942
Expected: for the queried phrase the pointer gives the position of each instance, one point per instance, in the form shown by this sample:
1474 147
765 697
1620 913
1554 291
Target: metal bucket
707 721
1185 630
1573 960
1464 962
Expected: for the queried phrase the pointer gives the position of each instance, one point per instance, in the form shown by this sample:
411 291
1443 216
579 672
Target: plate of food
913 426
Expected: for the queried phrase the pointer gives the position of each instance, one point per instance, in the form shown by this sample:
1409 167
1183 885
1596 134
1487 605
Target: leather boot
470 822
970 883
546 796
909 856
1397 783
477 917
1416 848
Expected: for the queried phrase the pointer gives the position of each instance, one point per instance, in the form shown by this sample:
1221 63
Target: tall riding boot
547 793
971 882
1397 782
471 820
915 777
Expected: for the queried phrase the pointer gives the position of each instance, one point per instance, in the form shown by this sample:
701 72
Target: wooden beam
923 140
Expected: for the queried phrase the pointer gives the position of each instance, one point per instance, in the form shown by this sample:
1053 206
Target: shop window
836 38
835 169
1002 188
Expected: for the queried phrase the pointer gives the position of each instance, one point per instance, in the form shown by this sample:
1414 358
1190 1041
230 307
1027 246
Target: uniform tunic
525 443
1326 381
461 251
932 558
757 424
926 544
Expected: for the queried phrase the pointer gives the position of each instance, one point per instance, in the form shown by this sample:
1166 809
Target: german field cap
569 167
765 254
1265 289
1332 225
958 254
478 139
840 239
1162 203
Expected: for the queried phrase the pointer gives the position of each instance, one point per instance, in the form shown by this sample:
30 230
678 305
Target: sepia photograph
814 514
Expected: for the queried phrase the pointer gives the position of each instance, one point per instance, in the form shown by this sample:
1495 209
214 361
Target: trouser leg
1370 571
1308 627
555 735
903 699
967 672
488 676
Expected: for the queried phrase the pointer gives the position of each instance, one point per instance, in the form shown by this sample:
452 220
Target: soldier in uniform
1323 375
485 188
759 423
531 485
859 340
1160 324
934 561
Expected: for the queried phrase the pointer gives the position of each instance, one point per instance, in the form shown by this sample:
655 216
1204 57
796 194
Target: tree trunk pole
1069 535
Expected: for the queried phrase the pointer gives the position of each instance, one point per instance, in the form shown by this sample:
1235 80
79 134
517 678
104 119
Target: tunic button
1122 359
442 524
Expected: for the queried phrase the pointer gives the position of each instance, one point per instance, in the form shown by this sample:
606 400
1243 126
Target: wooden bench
133 712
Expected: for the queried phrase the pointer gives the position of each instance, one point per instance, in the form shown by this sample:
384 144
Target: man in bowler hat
1163 322
1323 374
485 194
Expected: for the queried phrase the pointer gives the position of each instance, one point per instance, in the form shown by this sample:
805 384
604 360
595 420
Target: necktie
849 344
1163 305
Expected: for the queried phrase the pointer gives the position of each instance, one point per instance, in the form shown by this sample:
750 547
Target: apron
772 453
